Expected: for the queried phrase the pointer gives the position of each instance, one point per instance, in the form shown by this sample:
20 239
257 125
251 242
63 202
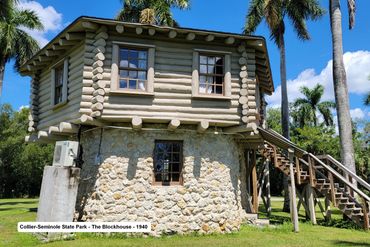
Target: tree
274 13
21 165
367 98
340 82
151 11
306 108
15 43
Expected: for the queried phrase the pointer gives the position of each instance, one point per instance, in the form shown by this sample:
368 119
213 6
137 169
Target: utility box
65 153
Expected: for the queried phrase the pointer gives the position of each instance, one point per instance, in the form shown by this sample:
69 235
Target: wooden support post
327 209
311 171
311 204
293 199
254 183
365 211
332 189
298 169
268 190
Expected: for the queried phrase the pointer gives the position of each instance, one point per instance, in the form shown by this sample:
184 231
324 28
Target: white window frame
65 62
227 77
149 89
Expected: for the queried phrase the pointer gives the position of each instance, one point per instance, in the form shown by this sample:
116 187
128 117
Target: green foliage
274 119
274 13
317 140
304 109
151 11
21 165
15 43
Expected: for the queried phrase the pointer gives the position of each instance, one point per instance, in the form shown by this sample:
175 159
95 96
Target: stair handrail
340 177
346 170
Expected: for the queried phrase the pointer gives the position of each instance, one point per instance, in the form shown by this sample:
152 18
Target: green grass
280 234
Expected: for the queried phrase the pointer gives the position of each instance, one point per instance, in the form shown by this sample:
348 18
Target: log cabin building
169 120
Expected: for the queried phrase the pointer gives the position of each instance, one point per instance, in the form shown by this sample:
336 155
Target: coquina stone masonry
121 187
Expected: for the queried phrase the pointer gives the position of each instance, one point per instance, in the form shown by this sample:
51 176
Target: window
211 74
168 162
59 83
132 69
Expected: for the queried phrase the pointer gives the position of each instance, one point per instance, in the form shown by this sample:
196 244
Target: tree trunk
340 88
284 114
2 72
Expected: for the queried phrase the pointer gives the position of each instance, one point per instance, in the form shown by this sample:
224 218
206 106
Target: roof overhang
71 36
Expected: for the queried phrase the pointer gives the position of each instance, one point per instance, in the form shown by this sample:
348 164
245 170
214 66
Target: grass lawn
15 210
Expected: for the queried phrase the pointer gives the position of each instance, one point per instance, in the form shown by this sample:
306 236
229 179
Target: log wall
47 114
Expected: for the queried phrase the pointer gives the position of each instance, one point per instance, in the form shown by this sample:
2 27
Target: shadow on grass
350 243
15 203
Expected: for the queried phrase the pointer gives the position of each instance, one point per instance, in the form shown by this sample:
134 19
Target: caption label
84 227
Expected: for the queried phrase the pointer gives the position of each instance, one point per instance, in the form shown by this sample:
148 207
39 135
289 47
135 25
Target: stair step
353 210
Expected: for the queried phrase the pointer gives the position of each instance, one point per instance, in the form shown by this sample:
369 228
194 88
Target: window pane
219 60
202 88
142 85
142 75
133 64
132 84
132 74
211 60
175 177
202 79
123 73
124 54
134 54
211 69
203 59
142 64
210 79
123 63
123 83
142 54
219 89
203 69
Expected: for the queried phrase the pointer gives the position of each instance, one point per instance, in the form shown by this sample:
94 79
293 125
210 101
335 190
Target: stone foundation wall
121 187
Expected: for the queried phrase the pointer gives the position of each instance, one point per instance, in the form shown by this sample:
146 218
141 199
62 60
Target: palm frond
367 100
26 47
254 16
27 18
325 110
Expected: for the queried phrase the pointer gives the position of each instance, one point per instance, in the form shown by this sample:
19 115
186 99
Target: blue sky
307 62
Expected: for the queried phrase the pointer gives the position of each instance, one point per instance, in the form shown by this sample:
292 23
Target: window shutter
52 88
65 80
195 74
151 56
114 68
227 79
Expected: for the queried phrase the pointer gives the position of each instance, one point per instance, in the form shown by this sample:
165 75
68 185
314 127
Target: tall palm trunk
284 113
340 88
2 72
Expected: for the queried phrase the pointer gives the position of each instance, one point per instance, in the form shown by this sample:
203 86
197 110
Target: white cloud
50 18
357 66
357 113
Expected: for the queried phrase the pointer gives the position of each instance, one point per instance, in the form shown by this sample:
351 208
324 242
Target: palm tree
274 13
4 8
15 43
340 82
308 106
151 11
367 98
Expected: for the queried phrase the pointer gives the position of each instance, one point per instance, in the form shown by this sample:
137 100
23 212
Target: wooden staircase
326 176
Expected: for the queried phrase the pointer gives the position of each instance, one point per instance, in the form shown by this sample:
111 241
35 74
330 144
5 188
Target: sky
308 62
